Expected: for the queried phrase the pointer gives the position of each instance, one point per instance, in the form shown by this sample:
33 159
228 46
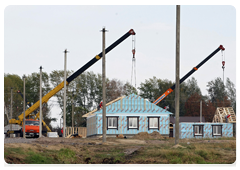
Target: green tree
231 92
33 91
87 89
218 93
192 87
15 82
153 88
129 89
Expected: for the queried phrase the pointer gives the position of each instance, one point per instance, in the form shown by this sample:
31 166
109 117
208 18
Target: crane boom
165 94
70 78
37 113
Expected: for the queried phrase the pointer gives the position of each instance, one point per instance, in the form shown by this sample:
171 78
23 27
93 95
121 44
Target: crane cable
223 64
133 60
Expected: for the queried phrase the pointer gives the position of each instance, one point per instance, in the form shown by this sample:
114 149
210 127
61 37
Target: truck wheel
21 133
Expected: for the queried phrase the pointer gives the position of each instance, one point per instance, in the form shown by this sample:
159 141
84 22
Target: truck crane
32 124
70 78
165 94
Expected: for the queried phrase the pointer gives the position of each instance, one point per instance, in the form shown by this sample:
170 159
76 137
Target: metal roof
187 119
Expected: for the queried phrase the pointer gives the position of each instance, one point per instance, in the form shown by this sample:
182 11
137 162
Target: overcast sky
36 36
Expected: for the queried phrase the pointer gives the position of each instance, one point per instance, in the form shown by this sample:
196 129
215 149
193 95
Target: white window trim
112 127
217 133
153 127
198 130
136 123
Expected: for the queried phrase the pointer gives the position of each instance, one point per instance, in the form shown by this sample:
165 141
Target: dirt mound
145 135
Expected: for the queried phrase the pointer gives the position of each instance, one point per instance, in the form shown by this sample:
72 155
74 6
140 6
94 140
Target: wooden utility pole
201 111
11 107
64 98
24 135
72 111
40 107
104 123
177 74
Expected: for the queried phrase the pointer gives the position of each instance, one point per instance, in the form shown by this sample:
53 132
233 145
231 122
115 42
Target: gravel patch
19 140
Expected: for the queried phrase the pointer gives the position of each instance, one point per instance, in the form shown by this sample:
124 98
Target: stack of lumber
76 135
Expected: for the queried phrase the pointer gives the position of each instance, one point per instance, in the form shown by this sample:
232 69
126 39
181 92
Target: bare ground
87 148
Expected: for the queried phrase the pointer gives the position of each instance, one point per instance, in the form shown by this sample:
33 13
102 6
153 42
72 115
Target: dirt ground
128 146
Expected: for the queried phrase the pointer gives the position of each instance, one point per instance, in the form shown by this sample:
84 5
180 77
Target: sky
37 35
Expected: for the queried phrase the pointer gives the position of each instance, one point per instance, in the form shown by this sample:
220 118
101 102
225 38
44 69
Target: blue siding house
204 130
129 115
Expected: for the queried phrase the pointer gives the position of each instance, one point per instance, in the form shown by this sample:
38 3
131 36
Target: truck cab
31 128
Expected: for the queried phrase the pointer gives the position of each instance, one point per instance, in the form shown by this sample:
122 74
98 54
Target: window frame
158 118
112 117
128 122
198 130
216 134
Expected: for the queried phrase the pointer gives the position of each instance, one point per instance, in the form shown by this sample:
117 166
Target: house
183 119
191 127
129 115
204 130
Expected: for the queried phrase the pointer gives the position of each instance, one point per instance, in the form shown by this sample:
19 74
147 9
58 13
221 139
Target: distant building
204 130
191 127
187 119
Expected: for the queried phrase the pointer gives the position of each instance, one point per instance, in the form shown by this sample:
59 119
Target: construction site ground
143 148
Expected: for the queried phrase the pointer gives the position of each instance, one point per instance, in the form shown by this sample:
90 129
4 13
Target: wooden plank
89 113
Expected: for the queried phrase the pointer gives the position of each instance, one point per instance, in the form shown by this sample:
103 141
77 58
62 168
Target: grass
193 153
36 158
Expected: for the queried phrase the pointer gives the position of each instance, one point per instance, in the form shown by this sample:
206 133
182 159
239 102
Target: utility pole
64 98
11 107
24 135
72 111
104 129
201 111
40 107
177 74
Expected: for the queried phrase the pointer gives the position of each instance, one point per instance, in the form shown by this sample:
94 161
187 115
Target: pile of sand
145 135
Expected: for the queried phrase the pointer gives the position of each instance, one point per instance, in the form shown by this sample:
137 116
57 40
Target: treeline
219 95
86 93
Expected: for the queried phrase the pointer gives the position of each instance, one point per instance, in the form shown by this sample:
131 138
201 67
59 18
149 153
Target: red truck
31 128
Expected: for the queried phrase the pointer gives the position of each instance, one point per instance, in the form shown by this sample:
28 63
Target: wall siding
131 105
91 125
186 130
122 126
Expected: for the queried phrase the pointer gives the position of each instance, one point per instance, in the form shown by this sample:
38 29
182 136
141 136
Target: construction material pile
76 135
120 136
145 135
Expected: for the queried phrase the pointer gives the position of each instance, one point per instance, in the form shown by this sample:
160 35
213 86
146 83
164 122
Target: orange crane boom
188 74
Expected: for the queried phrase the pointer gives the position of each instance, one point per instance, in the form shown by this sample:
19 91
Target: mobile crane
70 78
32 124
187 75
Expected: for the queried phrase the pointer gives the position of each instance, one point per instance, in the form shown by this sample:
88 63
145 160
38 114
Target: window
153 123
112 122
133 122
198 130
29 122
216 130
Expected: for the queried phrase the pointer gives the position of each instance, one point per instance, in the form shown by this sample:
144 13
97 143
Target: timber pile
120 136
76 135
145 135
